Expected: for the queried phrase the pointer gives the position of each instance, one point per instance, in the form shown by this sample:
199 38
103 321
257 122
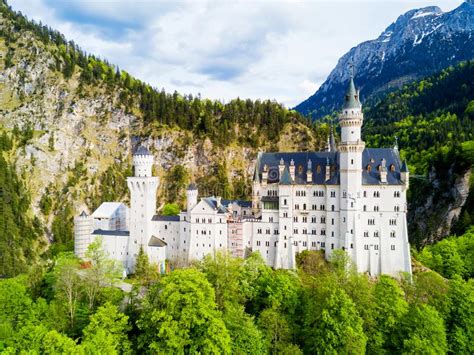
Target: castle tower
350 152
83 227
191 198
142 188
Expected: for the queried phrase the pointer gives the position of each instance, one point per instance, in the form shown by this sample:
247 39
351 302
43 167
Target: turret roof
286 178
192 186
351 99
142 150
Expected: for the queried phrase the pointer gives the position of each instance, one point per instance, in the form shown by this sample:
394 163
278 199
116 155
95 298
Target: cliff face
436 205
72 133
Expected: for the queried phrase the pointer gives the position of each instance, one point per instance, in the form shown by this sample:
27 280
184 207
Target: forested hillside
433 122
73 120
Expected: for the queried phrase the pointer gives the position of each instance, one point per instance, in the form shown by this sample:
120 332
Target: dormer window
392 168
369 168
300 169
318 169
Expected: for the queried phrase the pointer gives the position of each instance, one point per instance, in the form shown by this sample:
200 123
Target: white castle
348 197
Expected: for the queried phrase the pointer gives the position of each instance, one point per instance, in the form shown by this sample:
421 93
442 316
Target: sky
281 50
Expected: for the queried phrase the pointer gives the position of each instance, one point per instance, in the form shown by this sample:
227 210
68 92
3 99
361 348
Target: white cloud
280 50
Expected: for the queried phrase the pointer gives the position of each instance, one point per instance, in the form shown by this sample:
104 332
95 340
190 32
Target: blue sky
280 50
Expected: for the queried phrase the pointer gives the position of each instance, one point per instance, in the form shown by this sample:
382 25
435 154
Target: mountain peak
420 42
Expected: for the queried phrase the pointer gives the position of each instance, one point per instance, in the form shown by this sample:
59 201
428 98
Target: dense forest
230 305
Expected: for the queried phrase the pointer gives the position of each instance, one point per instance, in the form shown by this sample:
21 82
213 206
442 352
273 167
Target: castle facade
348 197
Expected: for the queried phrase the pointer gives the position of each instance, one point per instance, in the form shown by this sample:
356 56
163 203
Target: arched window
318 169
392 168
369 168
300 169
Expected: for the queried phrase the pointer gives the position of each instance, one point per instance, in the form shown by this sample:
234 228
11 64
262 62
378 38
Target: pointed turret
351 99
286 178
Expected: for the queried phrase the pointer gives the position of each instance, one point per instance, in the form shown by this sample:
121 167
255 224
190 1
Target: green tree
245 337
107 332
180 316
276 331
171 209
144 271
390 307
422 331
460 316
101 273
68 285
331 322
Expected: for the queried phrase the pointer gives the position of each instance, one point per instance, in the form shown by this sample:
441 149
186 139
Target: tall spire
351 99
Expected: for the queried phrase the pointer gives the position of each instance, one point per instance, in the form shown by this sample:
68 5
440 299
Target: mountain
419 43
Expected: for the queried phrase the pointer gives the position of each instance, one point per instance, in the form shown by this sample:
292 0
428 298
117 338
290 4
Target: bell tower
350 153
142 188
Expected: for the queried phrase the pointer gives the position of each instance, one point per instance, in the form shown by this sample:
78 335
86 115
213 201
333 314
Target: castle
348 197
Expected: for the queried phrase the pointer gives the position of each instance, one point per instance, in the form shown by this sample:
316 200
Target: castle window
392 168
352 246
297 207
397 208
267 231
267 244
300 169
313 232
284 202
332 221
396 194
393 222
166 227
376 208
352 161
295 231
392 234
318 169
323 219
365 208
333 193
392 247
295 219
333 208
258 243
332 245
285 214
344 194
304 206
376 247
285 245
305 231
270 219
376 234
322 207
313 220
366 246
366 234
323 244
305 219
369 169
376 193
314 207
371 221
323 232
304 244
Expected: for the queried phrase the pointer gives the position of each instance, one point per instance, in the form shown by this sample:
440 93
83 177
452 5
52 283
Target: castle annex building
348 197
